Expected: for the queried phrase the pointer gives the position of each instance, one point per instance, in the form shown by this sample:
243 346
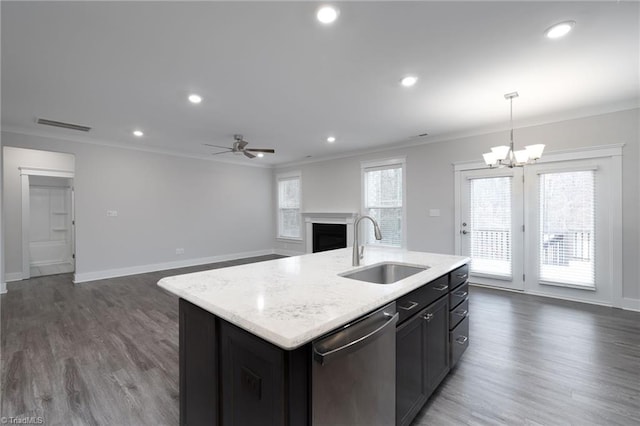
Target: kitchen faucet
358 254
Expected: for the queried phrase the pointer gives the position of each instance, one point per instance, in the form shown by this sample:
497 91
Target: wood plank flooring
106 353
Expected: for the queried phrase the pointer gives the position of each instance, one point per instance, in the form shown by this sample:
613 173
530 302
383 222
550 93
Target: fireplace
329 236
344 219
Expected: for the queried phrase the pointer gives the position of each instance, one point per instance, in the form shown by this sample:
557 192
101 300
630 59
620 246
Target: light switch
112 213
434 212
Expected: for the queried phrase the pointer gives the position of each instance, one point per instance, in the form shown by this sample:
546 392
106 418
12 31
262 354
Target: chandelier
506 156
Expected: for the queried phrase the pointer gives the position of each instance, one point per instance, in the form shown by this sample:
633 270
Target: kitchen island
245 331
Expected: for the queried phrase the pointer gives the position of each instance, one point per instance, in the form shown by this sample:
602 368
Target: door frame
25 172
612 151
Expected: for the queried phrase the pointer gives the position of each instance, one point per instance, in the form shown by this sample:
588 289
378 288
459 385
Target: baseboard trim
630 304
85 277
283 252
3 288
13 276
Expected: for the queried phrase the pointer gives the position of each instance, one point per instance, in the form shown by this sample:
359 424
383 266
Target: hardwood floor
540 361
106 353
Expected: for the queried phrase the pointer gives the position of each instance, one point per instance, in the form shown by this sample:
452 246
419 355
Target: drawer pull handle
441 288
428 317
460 293
461 313
409 306
461 276
462 340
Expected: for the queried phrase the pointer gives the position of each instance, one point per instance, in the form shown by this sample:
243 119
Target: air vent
63 125
423 135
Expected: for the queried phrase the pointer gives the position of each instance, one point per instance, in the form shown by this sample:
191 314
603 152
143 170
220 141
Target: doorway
48 222
51 220
551 228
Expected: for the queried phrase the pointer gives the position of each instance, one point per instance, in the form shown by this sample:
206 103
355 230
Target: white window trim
287 176
384 162
614 151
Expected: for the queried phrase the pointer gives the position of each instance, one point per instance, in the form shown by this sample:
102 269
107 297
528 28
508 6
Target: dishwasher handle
345 344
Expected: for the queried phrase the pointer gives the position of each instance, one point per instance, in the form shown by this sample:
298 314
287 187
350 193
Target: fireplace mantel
347 218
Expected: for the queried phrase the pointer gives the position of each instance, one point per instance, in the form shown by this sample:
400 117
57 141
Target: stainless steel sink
384 273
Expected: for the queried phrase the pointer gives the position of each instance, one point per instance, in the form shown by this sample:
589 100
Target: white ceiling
270 71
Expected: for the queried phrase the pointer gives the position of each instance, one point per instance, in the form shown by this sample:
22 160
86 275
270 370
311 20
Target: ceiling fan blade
248 154
241 144
217 146
267 150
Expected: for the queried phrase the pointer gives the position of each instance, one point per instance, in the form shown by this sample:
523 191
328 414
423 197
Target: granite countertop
293 300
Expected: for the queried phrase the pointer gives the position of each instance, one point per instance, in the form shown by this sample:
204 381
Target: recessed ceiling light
138 133
260 155
559 30
327 14
195 99
331 139
409 81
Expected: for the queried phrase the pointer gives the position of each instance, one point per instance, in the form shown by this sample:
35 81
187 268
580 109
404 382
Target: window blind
289 207
383 201
489 226
567 228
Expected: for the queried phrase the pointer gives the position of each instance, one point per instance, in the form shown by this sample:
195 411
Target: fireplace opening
329 236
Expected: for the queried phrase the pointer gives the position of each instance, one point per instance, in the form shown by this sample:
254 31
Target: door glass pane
489 226
567 228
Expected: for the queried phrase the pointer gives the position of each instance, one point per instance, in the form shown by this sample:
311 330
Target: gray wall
210 209
335 184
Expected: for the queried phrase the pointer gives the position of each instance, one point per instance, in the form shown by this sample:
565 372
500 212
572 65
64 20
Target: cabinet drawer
459 276
458 314
458 295
415 301
459 340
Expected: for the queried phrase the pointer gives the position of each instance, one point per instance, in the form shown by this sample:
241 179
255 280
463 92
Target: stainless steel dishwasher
354 372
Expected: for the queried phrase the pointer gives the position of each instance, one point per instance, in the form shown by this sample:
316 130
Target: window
289 205
489 226
383 199
567 228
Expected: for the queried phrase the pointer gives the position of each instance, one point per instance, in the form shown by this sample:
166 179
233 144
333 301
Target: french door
491 225
546 228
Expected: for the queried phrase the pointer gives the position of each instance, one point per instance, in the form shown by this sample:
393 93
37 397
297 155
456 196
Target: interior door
492 226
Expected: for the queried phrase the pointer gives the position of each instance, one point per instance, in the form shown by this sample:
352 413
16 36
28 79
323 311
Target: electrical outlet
179 251
112 213
434 212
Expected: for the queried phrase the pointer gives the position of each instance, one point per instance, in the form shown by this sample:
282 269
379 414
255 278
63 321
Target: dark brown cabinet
228 376
459 313
422 358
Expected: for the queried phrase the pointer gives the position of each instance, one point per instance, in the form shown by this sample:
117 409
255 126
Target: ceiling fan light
501 152
521 156
535 151
490 159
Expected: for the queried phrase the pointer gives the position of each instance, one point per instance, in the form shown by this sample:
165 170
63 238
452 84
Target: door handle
410 305
354 344
441 288
465 232
427 317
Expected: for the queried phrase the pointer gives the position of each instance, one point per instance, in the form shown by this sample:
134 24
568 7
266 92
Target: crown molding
110 144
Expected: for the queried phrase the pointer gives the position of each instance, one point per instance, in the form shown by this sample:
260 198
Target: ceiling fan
240 146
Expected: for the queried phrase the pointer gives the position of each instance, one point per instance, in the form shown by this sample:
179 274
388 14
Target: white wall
335 184
213 210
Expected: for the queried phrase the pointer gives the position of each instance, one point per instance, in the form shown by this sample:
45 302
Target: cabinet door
436 318
410 369
253 379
